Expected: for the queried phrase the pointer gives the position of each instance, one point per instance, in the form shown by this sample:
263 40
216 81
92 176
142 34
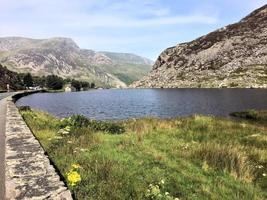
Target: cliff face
233 56
63 57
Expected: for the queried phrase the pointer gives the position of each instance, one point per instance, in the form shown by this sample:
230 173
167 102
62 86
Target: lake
134 103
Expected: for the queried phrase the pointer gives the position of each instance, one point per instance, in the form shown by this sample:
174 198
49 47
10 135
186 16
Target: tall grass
231 159
197 157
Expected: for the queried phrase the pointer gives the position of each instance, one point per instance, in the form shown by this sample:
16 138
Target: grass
255 115
196 157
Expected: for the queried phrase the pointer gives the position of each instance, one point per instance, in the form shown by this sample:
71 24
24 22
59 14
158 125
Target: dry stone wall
29 173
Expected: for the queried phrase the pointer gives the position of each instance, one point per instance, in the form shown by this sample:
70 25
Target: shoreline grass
196 157
254 115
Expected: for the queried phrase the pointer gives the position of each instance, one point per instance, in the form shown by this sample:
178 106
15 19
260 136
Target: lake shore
196 157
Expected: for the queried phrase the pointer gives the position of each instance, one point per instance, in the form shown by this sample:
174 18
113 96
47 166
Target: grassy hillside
197 157
127 72
127 67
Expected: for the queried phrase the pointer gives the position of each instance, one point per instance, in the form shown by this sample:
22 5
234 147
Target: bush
109 127
79 121
24 108
251 115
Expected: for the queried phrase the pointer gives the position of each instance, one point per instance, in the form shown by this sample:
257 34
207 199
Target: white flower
264 174
176 198
162 181
167 193
259 166
83 150
58 137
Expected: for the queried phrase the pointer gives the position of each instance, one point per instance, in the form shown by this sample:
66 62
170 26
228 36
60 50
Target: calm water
134 103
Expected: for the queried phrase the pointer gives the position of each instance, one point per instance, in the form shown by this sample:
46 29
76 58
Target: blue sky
144 27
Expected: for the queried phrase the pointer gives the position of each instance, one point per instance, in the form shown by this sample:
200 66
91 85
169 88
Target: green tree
85 85
54 82
39 81
76 84
27 80
92 85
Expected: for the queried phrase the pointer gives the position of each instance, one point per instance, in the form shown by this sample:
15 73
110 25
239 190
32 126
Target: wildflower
75 166
155 191
73 178
264 174
255 135
167 193
67 128
243 125
185 147
65 132
58 137
162 182
259 166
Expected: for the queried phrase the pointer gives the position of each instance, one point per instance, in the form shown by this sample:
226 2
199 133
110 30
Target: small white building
69 88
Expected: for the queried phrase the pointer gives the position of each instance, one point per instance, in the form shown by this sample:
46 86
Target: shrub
79 121
251 115
156 192
24 108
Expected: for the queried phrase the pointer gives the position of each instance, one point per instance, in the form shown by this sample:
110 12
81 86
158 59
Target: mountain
233 56
63 57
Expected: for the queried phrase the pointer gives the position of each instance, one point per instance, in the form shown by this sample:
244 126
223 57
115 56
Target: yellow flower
73 178
75 166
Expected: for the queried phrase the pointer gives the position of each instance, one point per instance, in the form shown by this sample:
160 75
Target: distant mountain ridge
233 56
63 57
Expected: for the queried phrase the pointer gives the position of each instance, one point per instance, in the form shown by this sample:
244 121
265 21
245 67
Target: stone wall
29 173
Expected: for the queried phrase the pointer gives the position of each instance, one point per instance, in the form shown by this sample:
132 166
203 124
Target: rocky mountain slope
63 57
233 56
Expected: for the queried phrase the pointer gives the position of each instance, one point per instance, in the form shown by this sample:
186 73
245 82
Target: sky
143 27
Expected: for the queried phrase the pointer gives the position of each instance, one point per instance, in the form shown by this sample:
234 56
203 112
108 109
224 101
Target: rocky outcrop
63 57
29 173
233 56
